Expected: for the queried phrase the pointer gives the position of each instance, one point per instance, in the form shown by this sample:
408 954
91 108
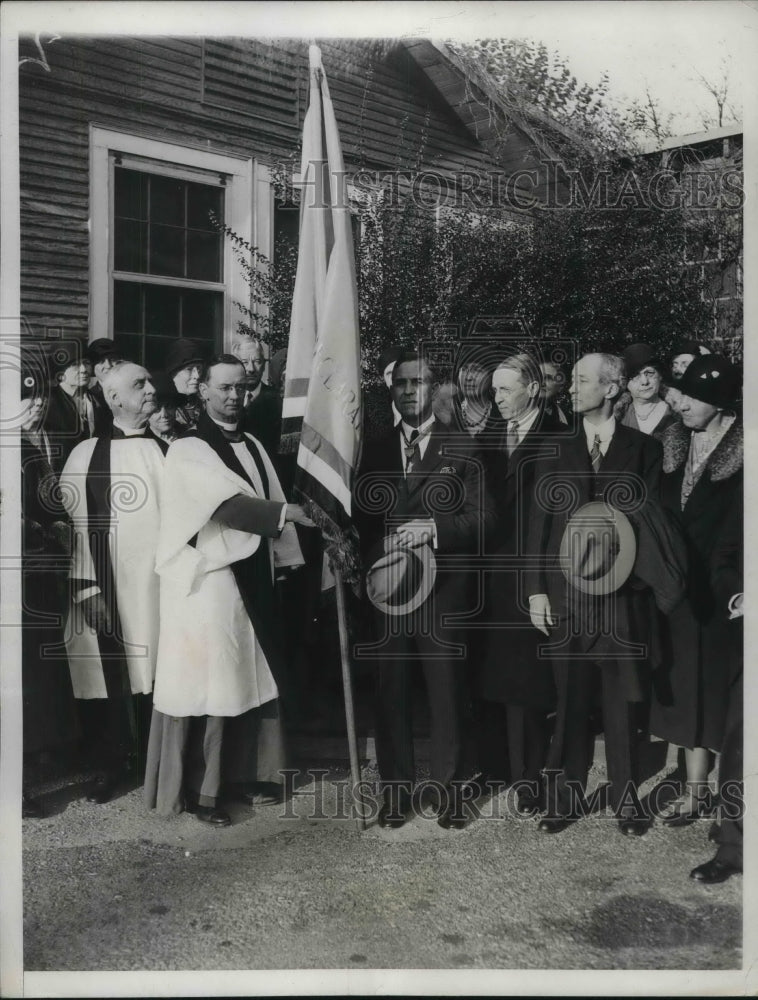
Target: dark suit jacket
629 473
263 418
508 666
447 485
65 427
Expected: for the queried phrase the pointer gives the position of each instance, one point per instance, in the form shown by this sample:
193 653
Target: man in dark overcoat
515 686
421 484
598 643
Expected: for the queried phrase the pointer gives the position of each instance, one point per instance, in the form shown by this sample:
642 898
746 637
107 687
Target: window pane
130 251
161 311
130 345
286 226
201 200
130 194
127 307
156 349
203 256
167 200
167 251
202 316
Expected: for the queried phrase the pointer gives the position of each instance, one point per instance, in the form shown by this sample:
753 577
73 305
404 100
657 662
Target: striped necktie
411 451
511 437
596 456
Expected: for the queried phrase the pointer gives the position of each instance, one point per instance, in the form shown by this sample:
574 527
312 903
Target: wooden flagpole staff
347 687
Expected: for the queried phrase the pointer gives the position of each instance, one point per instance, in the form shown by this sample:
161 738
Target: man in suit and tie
600 460
262 412
438 499
515 687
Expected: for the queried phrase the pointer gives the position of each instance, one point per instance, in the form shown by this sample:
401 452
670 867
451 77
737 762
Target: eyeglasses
647 373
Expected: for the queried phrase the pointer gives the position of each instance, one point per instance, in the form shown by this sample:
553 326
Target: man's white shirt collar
525 421
423 437
605 431
233 428
130 431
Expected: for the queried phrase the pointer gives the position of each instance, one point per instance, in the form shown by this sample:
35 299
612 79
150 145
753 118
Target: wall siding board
219 96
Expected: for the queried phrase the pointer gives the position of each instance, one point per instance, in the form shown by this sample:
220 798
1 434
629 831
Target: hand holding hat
412 534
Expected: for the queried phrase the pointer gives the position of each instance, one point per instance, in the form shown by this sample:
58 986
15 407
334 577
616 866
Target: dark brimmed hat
102 348
399 581
65 353
184 353
639 356
389 356
712 379
598 549
692 347
166 393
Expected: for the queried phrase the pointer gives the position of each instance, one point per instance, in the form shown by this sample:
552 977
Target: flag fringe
289 442
341 544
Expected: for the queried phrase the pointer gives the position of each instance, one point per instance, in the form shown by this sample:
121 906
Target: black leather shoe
634 827
554 824
212 815
713 872
714 834
452 818
391 818
102 788
31 808
528 804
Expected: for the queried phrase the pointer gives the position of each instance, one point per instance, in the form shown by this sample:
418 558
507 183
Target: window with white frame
161 267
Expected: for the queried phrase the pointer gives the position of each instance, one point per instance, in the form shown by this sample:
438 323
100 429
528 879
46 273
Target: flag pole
347 687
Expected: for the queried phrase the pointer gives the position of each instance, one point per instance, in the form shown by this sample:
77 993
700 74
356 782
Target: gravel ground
115 888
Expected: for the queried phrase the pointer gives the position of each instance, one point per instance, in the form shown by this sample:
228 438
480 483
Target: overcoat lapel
616 456
432 458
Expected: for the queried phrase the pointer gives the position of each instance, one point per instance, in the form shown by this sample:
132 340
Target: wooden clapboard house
127 144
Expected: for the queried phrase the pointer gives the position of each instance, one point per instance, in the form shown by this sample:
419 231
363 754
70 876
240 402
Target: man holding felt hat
421 509
597 624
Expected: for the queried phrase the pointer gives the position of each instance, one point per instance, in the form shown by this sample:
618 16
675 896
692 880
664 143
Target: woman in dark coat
49 711
643 406
703 459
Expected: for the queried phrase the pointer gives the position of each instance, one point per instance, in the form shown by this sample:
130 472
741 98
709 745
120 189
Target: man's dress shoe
452 817
212 815
634 827
391 818
102 788
554 824
528 804
713 872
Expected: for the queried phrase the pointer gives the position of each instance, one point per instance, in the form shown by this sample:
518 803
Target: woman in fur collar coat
702 465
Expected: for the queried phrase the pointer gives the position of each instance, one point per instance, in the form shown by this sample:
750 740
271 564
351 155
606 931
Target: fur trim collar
722 463
622 404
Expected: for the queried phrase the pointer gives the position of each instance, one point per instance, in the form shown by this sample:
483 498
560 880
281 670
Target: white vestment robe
209 659
135 473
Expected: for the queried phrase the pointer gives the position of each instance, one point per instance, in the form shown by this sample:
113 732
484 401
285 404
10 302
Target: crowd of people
555 542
